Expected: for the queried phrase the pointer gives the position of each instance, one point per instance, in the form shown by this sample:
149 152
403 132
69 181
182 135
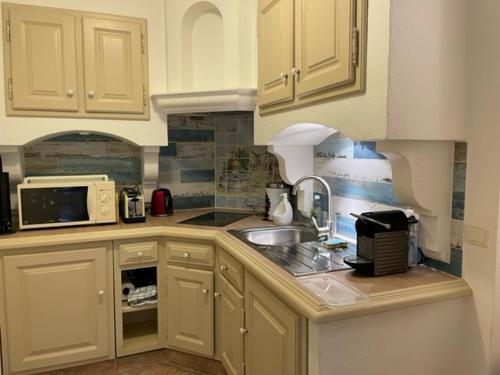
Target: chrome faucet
327 229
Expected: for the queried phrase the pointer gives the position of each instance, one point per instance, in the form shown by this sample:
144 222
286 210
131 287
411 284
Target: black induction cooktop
216 219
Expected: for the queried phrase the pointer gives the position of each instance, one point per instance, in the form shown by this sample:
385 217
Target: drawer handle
204 291
101 292
140 254
243 331
217 294
186 255
223 268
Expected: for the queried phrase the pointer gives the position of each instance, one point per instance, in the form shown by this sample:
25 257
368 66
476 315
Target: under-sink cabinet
66 63
58 307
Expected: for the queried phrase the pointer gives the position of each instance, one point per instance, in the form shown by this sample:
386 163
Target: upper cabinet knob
101 292
295 72
70 92
91 93
204 291
283 76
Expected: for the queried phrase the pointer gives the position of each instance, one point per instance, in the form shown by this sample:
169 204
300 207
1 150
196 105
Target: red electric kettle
161 203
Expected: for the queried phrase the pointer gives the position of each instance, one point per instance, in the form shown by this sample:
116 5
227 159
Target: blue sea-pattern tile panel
366 150
213 155
361 180
76 154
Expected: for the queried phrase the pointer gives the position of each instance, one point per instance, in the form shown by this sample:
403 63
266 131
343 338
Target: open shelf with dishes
138 308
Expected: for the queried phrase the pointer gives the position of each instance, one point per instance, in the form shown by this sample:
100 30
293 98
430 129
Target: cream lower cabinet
58 307
273 332
190 309
230 326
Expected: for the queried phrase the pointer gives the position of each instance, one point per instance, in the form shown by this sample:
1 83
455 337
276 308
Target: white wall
19 130
481 265
432 339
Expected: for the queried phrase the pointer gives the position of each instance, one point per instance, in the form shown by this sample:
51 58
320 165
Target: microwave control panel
105 202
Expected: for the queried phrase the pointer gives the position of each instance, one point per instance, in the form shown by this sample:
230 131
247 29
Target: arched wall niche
203 52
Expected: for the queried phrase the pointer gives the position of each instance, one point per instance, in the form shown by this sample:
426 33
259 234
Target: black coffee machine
5 209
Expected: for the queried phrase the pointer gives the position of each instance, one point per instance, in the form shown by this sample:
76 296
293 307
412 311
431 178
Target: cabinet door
275 33
43 60
57 307
231 321
190 310
113 66
323 43
271 346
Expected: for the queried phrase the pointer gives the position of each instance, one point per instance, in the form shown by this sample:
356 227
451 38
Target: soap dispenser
283 215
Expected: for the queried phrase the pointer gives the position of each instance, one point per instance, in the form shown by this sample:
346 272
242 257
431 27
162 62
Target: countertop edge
297 297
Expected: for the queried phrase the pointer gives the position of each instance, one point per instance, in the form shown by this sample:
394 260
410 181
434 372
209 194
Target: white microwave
61 201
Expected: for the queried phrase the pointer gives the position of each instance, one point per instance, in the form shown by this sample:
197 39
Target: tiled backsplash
361 180
75 154
210 161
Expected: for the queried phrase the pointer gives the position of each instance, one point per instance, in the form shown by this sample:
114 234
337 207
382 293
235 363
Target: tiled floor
159 362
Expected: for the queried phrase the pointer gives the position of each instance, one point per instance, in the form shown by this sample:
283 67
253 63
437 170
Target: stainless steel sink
294 248
277 236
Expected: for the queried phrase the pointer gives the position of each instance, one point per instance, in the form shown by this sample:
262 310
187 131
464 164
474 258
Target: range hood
211 57
206 101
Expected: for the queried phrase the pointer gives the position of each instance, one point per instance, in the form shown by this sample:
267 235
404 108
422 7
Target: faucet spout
327 229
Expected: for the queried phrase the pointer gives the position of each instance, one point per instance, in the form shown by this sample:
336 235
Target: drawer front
139 252
232 270
190 253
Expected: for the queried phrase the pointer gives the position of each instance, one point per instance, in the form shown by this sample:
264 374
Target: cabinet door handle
91 93
140 254
243 331
186 255
295 72
217 294
223 267
283 76
204 291
101 292
70 92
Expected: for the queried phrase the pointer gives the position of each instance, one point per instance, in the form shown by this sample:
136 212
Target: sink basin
277 236
294 248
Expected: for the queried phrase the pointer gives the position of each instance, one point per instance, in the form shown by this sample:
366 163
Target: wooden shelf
130 309
140 336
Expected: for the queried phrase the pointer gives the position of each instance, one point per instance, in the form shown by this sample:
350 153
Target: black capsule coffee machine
382 245
5 209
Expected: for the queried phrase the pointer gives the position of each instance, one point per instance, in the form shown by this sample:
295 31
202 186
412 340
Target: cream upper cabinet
66 63
230 329
275 25
271 345
190 309
308 51
43 60
58 307
113 66
323 43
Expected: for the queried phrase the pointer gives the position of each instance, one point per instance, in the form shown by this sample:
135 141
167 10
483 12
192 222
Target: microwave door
51 206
